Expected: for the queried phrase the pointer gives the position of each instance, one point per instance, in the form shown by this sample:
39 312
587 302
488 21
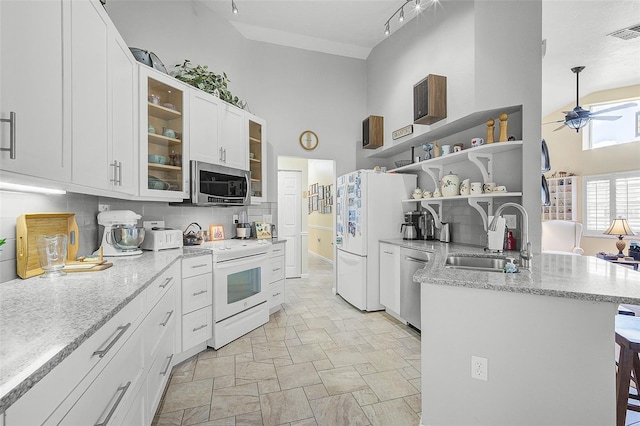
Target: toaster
157 237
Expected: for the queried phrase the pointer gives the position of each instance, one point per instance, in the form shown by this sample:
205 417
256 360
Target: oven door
238 285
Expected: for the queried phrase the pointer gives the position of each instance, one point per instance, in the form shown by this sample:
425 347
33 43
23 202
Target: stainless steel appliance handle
122 329
12 134
415 259
250 262
163 324
123 390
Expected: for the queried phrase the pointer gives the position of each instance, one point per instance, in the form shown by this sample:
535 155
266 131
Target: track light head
401 18
234 8
418 6
387 31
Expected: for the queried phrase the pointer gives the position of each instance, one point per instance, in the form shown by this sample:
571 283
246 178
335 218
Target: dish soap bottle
511 242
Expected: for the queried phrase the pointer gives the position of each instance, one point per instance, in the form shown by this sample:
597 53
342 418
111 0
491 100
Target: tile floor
318 361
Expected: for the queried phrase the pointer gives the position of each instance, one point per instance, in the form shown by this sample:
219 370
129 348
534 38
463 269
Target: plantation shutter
607 197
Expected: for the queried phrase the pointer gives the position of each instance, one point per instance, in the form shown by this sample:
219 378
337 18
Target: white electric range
240 281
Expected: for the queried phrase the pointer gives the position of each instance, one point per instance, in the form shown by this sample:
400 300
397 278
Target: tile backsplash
14 204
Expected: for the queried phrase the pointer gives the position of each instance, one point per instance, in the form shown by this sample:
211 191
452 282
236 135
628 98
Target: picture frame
216 232
315 204
263 230
637 123
327 209
321 192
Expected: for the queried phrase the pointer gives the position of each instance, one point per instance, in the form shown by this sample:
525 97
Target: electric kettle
409 231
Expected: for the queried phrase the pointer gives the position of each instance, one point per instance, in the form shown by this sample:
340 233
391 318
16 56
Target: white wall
490 53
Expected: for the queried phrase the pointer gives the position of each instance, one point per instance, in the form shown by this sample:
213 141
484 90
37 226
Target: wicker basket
402 163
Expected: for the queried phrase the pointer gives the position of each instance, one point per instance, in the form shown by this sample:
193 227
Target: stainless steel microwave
214 185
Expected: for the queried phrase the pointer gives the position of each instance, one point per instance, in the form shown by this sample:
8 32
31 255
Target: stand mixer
120 235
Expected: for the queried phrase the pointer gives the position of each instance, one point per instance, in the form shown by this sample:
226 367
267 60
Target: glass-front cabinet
257 158
164 148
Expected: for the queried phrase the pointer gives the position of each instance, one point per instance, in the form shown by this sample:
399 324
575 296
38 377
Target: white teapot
417 193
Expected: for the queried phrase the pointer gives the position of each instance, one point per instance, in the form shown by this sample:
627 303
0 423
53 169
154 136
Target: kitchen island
547 335
42 321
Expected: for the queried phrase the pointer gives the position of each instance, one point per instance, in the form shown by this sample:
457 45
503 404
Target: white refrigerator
368 208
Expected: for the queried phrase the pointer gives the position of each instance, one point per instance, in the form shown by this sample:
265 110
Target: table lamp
619 227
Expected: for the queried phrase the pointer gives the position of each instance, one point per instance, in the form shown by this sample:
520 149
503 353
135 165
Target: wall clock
308 140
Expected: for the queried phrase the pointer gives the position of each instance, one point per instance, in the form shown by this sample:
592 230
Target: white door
289 218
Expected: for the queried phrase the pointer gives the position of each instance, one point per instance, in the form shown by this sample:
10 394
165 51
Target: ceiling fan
578 117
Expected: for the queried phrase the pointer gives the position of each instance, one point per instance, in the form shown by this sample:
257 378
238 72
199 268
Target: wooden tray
29 226
87 267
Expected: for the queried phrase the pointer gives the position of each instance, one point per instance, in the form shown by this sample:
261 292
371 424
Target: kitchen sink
485 263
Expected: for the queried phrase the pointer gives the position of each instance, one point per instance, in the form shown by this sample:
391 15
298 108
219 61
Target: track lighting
234 8
400 12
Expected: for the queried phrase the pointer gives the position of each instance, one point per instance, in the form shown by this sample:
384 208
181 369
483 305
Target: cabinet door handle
166 370
120 173
387 252
199 266
12 134
200 328
220 154
115 172
122 329
225 155
276 294
163 324
200 292
277 269
122 390
166 282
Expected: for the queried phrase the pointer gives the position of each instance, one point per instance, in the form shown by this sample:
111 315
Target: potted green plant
204 79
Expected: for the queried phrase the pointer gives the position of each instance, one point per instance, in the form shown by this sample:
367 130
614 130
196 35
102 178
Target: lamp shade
619 227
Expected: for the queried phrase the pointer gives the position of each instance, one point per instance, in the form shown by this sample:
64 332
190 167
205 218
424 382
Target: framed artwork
327 209
216 232
263 230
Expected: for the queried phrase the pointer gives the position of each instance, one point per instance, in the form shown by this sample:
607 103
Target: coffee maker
423 222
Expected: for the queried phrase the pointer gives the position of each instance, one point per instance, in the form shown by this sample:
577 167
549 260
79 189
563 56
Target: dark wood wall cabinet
372 132
430 99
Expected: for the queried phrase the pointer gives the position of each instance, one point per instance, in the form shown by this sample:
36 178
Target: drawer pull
200 292
123 329
200 328
167 320
166 282
200 266
166 370
123 390
276 294
277 269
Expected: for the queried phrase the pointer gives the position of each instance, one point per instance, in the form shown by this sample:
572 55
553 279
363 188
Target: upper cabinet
104 154
232 141
31 90
164 136
257 131
203 120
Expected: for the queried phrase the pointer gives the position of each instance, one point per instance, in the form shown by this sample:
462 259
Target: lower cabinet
196 300
390 277
115 377
276 277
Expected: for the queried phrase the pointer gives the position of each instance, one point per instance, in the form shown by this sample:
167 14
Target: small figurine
436 149
503 128
490 128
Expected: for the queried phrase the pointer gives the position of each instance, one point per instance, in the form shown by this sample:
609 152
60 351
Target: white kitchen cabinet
196 320
204 110
102 102
257 131
390 277
164 136
232 141
276 277
117 375
563 193
32 85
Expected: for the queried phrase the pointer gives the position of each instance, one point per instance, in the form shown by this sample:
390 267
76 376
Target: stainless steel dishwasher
410 262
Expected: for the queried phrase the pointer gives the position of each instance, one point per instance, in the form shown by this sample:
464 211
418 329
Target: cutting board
87 267
29 226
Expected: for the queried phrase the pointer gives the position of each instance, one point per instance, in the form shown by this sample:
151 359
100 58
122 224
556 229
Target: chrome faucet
525 245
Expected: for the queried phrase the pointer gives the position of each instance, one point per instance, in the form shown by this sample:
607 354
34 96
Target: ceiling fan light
577 123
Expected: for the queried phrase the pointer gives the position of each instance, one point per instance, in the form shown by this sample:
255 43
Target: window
608 196
602 133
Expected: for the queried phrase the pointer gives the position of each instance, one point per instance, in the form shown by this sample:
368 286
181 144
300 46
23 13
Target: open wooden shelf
162 140
162 112
155 166
254 140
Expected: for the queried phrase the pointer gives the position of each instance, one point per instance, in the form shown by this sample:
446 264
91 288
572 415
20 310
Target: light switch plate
511 221
267 218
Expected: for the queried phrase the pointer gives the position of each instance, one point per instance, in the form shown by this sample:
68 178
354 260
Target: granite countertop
578 277
43 320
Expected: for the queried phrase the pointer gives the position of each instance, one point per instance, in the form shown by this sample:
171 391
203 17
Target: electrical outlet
267 218
479 368
104 207
235 218
510 220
